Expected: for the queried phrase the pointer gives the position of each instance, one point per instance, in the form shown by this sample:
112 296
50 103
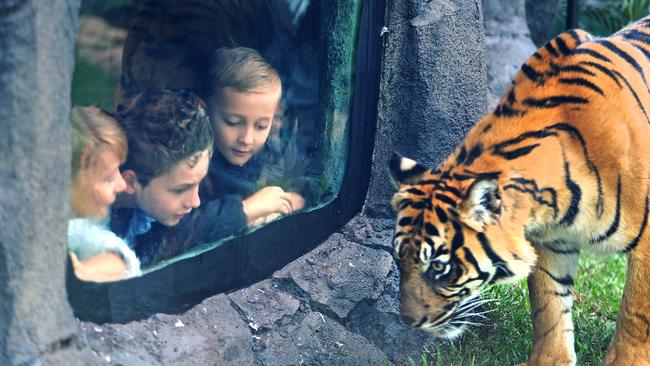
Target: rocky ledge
336 305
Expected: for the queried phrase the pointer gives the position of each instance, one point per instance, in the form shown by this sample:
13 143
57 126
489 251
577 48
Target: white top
89 237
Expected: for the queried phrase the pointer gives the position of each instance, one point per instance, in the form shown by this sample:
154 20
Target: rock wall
433 86
508 44
36 323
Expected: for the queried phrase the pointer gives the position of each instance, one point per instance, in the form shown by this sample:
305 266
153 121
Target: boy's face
169 197
242 121
95 187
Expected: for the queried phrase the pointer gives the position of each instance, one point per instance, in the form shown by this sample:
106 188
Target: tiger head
449 243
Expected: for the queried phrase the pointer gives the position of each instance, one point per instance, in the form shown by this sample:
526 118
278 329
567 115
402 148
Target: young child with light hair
266 178
99 146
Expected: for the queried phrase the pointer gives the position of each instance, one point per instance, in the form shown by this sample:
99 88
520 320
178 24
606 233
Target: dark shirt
277 164
141 232
221 213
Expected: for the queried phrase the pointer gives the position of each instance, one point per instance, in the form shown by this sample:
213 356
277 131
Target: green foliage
91 85
607 16
506 337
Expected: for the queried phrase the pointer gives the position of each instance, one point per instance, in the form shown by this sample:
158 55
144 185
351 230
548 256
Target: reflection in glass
276 78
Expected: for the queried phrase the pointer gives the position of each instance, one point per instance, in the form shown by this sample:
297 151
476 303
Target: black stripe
511 95
469 257
474 154
565 281
582 82
572 251
554 101
617 217
504 110
431 229
624 55
446 199
536 194
526 135
636 96
592 53
426 182
575 68
420 205
502 269
453 191
442 216
577 135
532 74
634 34
575 37
415 191
537 55
487 128
405 203
576 195
567 292
405 221
636 240
549 47
645 52
605 70
458 240
564 50
462 155
517 153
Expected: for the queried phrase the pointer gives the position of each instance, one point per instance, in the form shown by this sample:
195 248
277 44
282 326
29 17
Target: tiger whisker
465 322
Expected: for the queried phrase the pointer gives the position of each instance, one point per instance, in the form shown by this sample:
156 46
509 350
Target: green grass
506 337
92 86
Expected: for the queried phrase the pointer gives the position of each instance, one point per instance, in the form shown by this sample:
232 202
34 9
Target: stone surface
539 17
210 333
508 44
263 305
36 62
318 310
318 340
433 86
339 274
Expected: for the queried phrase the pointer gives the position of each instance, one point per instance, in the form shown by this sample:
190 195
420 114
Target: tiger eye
437 266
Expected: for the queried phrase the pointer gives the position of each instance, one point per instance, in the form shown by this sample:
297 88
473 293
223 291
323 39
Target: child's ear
84 162
131 179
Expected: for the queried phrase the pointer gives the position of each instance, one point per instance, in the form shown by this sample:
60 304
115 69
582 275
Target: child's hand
103 267
266 201
296 200
265 219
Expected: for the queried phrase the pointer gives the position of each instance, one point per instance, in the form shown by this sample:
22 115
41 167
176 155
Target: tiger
169 42
561 164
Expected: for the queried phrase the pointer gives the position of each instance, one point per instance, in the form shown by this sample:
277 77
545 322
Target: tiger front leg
631 342
551 294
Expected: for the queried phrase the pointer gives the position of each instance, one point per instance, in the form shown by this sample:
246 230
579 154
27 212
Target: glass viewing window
289 164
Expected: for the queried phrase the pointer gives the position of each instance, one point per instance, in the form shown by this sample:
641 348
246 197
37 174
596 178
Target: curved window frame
244 260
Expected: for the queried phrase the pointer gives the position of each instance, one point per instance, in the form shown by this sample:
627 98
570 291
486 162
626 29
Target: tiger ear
404 170
482 205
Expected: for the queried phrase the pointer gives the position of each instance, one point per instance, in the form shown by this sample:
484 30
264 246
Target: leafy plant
605 17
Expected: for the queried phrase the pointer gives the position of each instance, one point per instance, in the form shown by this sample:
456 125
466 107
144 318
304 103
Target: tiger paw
626 356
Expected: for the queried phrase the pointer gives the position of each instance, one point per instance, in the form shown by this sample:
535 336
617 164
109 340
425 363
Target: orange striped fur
562 164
